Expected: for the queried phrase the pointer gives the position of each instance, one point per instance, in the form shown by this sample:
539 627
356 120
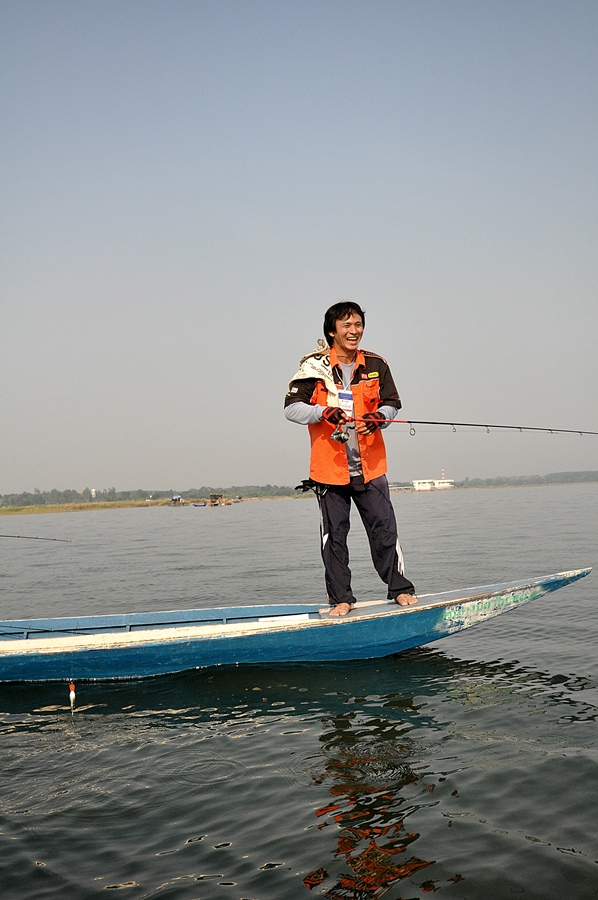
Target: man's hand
370 422
335 415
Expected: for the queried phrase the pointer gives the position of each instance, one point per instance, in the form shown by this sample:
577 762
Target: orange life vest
328 462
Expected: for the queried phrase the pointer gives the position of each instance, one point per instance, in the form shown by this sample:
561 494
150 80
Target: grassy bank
77 507
112 504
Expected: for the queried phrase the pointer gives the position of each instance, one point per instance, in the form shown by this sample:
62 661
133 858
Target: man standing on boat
346 396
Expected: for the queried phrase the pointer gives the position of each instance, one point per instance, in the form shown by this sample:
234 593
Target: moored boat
139 645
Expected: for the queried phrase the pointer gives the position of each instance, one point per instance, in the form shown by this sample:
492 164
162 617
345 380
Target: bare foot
341 609
406 599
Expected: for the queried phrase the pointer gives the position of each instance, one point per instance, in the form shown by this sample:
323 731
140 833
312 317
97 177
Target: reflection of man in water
346 396
366 778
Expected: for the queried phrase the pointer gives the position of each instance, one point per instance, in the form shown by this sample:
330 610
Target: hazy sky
187 185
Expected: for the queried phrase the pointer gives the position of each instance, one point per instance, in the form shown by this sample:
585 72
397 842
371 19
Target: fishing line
29 537
38 632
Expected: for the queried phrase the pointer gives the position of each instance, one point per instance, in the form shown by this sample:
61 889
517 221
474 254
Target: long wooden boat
140 645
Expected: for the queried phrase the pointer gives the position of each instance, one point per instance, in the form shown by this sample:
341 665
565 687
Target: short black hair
341 310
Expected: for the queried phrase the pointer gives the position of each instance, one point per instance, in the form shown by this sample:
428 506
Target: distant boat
200 504
139 645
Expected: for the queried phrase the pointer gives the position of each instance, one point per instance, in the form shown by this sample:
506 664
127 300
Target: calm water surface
467 768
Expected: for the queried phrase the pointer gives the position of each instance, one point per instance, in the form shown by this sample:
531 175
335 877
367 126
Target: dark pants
377 514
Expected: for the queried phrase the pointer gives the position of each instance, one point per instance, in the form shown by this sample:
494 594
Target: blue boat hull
139 646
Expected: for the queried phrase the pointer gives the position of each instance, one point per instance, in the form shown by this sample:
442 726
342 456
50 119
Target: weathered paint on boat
140 645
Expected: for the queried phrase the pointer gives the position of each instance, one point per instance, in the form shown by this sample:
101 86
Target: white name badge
345 402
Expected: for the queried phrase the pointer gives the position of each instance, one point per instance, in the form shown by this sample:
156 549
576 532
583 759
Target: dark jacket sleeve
389 395
300 390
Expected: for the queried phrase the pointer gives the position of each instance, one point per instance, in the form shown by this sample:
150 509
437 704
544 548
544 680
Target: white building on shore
433 484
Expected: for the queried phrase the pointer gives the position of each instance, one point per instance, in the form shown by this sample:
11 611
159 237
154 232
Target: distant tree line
111 495
522 480
245 490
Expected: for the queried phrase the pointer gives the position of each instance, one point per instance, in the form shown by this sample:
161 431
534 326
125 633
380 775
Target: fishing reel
339 435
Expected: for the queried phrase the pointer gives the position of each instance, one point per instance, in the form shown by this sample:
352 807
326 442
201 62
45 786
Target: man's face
347 335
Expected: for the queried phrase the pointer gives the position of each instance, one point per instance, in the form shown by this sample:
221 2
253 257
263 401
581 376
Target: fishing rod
454 425
29 537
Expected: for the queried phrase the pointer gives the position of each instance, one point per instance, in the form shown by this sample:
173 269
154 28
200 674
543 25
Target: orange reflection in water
367 776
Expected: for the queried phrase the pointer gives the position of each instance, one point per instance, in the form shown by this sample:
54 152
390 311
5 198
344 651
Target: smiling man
346 396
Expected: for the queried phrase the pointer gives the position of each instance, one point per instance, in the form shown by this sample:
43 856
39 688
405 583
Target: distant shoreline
486 487
112 504
139 504
77 507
